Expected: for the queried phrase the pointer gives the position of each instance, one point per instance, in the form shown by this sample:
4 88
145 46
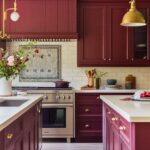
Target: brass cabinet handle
122 128
9 136
114 118
87 125
87 110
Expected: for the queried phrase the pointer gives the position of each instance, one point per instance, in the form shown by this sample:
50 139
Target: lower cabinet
116 130
119 134
22 134
88 117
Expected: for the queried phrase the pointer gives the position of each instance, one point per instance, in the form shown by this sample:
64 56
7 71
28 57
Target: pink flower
10 60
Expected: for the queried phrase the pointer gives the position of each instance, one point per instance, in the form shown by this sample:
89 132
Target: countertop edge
20 113
123 113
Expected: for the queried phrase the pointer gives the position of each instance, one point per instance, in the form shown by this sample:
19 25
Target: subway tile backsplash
76 75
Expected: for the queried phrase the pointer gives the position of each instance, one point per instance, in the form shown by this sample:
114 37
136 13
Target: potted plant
97 78
11 64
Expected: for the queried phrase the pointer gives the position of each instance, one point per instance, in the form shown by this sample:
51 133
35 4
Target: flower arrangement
13 62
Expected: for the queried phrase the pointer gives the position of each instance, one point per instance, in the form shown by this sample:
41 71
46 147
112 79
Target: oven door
57 120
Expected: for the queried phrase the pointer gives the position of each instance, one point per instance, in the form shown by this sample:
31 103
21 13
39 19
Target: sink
12 103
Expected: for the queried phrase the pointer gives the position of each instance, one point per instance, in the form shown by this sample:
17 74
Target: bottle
97 83
130 82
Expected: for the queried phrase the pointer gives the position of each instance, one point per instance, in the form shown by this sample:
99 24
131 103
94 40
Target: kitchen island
126 123
19 122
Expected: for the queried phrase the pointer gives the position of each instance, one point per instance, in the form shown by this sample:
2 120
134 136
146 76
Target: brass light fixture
14 16
133 18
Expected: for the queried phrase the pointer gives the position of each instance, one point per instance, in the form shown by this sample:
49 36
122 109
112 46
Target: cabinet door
123 145
19 143
2 140
32 19
29 130
88 117
117 35
139 43
114 138
91 43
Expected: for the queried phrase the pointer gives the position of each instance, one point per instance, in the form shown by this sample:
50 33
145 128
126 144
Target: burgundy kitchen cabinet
44 19
92 31
119 134
103 42
22 134
88 117
2 140
13 136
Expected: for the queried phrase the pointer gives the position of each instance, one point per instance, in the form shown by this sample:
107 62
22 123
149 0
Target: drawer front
112 116
90 109
125 130
88 98
90 123
12 131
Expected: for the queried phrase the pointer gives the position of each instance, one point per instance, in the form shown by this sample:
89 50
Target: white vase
5 87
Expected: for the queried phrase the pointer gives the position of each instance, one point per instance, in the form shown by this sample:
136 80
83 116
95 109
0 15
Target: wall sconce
14 16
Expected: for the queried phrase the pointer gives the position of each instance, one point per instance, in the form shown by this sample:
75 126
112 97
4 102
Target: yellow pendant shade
133 18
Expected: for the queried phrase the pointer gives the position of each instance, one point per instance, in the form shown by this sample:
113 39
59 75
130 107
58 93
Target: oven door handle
56 105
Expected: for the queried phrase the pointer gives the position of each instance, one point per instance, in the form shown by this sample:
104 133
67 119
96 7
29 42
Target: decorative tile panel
44 66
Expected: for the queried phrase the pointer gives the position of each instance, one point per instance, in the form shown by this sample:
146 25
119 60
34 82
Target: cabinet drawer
125 130
12 131
90 123
112 117
90 109
88 99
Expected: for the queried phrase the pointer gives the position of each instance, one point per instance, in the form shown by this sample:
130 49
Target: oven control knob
57 97
69 97
63 96
45 97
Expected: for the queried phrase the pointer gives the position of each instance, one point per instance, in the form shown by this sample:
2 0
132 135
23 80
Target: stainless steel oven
57 113
57 120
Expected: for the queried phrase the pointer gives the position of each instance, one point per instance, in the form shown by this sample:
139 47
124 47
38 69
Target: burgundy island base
20 122
126 124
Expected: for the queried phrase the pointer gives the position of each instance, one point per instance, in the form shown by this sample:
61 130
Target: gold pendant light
133 18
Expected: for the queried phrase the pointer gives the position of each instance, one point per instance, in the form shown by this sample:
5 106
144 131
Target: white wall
77 77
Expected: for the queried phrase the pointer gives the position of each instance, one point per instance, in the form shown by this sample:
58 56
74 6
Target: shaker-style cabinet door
139 54
92 31
117 35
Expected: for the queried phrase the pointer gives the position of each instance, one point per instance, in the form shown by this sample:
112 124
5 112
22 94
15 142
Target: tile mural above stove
44 67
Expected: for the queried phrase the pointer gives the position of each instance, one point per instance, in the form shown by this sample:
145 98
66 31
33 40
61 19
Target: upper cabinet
44 19
91 44
104 42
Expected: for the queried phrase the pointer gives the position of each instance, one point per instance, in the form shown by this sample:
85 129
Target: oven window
54 117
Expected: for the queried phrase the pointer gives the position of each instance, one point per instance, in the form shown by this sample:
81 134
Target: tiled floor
72 146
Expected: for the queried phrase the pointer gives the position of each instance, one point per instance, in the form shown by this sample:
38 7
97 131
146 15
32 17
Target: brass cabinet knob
122 128
9 136
98 97
87 125
108 112
87 110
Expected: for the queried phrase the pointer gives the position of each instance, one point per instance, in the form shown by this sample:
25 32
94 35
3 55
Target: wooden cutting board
87 88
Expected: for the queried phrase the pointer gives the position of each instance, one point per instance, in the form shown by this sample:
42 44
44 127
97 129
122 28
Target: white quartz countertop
132 111
10 114
105 91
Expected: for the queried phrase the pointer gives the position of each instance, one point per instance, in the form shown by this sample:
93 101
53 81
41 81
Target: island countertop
10 114
132 111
